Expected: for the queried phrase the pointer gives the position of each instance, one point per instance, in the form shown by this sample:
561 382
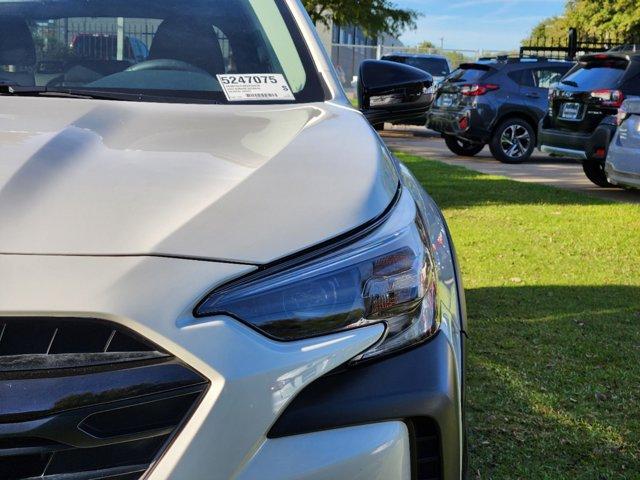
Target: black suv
581 120
497 102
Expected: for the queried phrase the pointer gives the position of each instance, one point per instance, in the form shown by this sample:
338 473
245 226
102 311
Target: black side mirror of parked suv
392 92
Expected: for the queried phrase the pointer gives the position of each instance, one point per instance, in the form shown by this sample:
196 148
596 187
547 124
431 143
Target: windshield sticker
255 87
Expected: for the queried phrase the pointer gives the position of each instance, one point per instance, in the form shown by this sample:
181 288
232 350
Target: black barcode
262 95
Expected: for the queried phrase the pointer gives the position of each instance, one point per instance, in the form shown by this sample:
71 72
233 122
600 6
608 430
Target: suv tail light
609 98
476 90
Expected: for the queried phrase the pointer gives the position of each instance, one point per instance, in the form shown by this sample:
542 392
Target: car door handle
533 95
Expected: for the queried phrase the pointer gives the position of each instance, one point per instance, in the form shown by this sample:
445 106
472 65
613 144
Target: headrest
16 43
191 41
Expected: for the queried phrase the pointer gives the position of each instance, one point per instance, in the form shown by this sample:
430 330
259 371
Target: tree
620 18
425 46
375 17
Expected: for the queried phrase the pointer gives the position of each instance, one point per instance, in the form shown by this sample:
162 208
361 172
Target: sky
478 24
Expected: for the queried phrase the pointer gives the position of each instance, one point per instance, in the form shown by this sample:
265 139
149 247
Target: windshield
437 67
186 50
592 76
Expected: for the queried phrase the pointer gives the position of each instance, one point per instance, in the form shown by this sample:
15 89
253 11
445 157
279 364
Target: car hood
231 183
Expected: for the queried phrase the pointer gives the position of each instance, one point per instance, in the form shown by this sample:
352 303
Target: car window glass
592 76
161 49
438 67
547 77
434 66
281 43
467 75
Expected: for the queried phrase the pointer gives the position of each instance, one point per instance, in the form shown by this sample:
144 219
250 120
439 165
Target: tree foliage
375 17
601 18
455 58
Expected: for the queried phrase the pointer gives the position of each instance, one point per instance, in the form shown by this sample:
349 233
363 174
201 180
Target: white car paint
367 452
175 178
131 194
252 378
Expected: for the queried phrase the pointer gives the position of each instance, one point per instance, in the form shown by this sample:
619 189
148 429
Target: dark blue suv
498 102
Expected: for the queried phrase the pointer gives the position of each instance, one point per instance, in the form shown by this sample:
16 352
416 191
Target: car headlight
387 277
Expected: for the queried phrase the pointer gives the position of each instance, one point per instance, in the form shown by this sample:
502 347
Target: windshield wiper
571 83
22 91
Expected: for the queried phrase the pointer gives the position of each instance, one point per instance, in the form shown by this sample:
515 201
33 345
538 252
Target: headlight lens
388 277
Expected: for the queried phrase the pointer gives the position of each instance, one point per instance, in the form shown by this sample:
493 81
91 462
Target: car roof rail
627 47
512 59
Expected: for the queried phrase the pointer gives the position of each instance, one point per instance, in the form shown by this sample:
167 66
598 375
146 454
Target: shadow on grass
554 382
458 187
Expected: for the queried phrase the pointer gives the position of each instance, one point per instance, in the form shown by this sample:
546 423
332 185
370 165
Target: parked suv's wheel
461 147
594 170
513 141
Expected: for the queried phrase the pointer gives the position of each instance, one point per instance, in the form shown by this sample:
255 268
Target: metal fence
574 44
98 38
347 60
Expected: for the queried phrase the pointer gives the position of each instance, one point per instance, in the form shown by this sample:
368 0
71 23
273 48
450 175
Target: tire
594 170
513 141
463 148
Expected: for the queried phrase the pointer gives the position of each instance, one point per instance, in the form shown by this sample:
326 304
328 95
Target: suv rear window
595 75
468 75
435 66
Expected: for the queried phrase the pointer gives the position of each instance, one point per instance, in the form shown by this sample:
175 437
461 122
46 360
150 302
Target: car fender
602 138
517 111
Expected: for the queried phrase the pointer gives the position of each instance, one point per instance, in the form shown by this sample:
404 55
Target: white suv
212 268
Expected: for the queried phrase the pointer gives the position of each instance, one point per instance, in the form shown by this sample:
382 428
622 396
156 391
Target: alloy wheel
515 141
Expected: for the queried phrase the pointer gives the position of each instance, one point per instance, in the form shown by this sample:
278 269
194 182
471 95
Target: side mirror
631 106
392 92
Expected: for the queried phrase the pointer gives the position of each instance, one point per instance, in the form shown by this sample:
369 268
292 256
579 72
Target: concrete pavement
558 172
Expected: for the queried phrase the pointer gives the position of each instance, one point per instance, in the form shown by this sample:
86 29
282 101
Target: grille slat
86 399
30 363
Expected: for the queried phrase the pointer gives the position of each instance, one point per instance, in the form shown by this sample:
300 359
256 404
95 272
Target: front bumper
233 433
425 400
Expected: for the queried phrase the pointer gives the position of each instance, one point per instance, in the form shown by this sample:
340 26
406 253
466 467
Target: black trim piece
22 363
421 383
87 399
41 397
304 256
426 449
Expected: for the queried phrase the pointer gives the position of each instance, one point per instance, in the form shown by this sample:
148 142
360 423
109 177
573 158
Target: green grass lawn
553 293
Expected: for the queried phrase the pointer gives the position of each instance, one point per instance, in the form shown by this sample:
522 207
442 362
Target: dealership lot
542 169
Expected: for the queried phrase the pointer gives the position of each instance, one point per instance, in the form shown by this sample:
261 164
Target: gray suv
498 102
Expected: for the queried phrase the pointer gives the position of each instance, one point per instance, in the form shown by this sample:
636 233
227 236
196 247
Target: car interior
157 48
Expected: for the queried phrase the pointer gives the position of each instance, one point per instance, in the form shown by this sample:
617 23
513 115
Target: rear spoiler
600 57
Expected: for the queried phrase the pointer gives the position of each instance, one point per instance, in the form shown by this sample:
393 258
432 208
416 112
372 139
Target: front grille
85 399
426 453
